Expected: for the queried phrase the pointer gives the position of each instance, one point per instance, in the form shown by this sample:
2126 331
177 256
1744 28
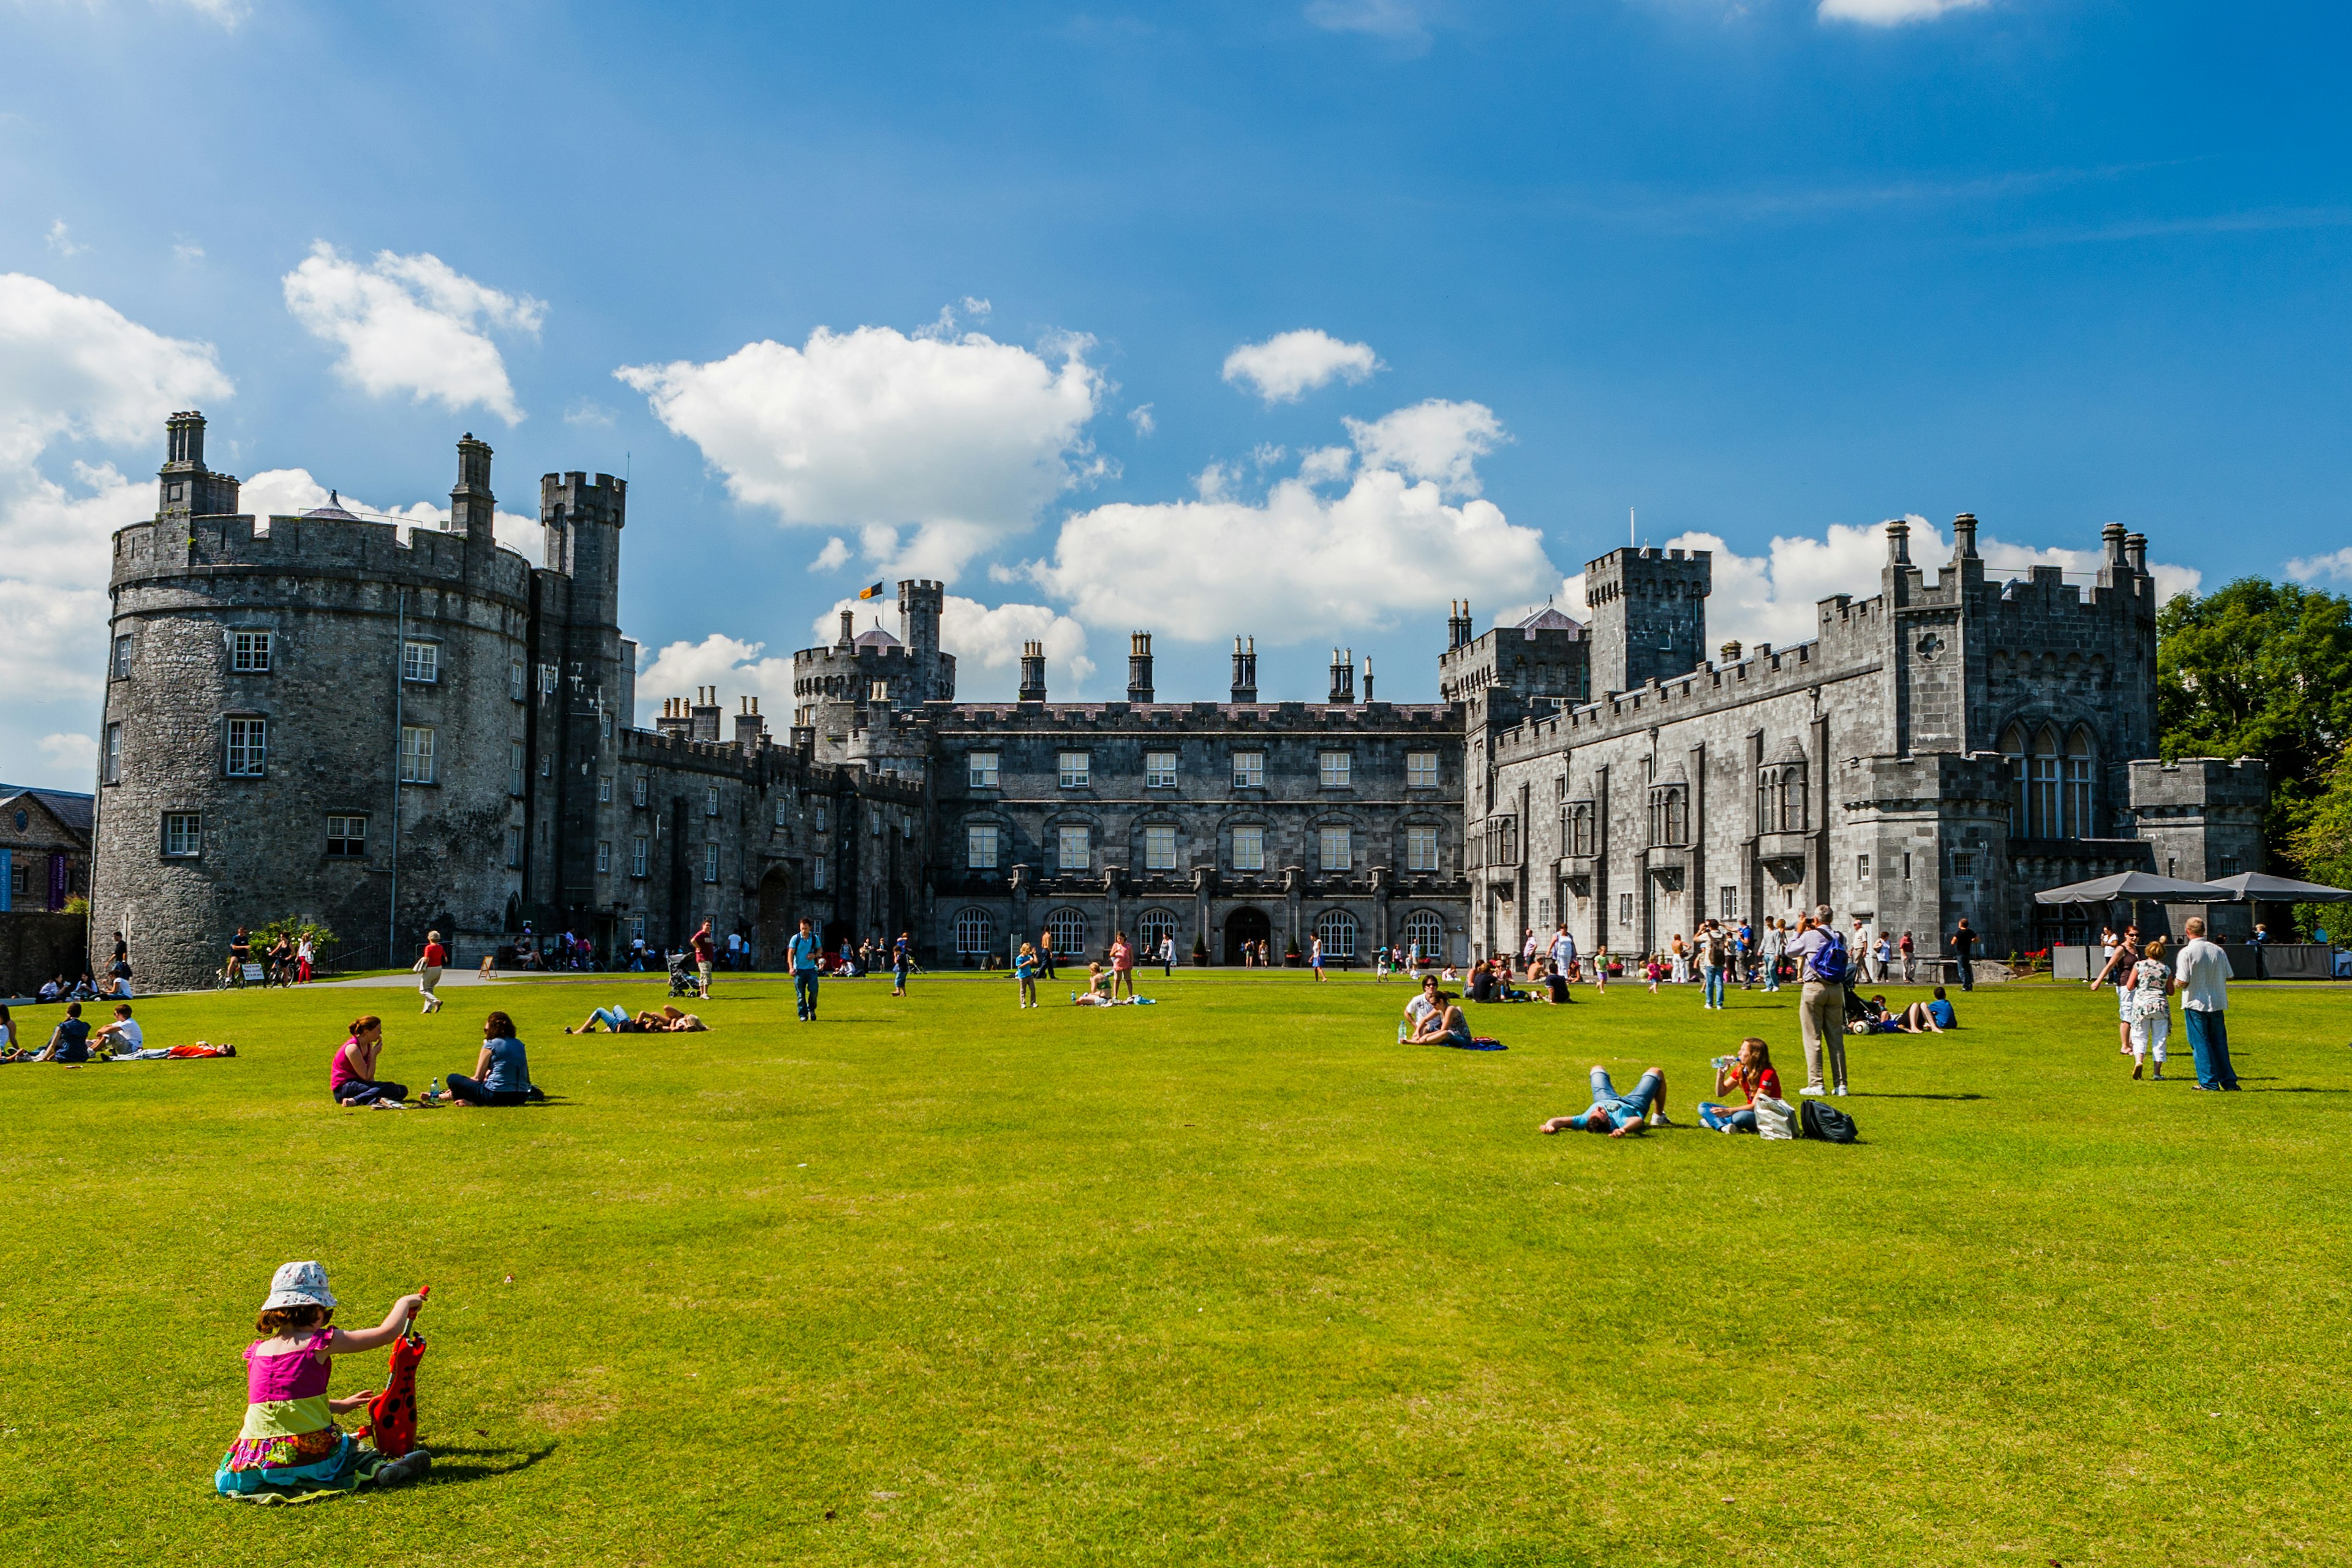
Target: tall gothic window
2079 820
2012 749
2043 787
1669 815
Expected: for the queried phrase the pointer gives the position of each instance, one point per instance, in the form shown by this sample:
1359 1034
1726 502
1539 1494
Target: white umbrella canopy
2135 885
2247 886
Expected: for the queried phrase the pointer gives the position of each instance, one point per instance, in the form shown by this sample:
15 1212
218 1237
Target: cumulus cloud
61 239
960 438
1141 417
833 556
737 667
1890 13
1300 563
412 324
1771 597
72 370
1436 440
2334 566
1288 366
71 753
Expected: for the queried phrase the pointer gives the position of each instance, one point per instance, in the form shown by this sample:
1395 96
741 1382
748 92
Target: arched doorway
777 926
1243 925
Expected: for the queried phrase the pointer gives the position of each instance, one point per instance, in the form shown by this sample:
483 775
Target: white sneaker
1660 1119
1812 1089
1839 1091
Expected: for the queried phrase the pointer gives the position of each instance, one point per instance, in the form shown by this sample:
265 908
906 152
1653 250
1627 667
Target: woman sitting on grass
1751 1074
501 1074
1097 991
352 1077
1442 1025
69 1043
290 1445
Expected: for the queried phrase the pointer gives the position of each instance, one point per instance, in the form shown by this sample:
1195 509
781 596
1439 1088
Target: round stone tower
316 716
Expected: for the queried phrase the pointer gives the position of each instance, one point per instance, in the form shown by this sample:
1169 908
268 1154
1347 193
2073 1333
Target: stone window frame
340 830
710 800
110 753
1144 830
1155 777
637 791
1436 769
419 765
974 932
119 658
1341 922
1079 775
1062 867
257 656
603 857
1327 776
518 682
1249 768
997 843
247 757
711 861
1411 930
1580 827
639 855
1670 816
1157 919
420 655
974 770
514 846
1229 842
1062 920
184 829
1783 803
603 789
1323 831
1406 827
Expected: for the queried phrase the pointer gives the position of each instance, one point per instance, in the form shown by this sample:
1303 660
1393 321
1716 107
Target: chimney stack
1964 537
751 729
1033 672
1898 541
675 722
1367 678
1457 626
472 508
1343 676
2136 552
1139 668
705 713
848 627
1245 670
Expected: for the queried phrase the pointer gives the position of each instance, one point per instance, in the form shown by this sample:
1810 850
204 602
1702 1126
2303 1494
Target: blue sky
1768 273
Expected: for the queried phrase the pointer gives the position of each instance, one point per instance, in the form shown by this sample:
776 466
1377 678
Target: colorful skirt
295 1470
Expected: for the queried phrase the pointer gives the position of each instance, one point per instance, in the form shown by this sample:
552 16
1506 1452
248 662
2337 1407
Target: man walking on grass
2204 978
1964 954
800 954
1821 958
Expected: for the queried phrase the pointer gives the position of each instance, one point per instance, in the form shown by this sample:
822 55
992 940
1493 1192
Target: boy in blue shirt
1618 1114
801 954
1941 1011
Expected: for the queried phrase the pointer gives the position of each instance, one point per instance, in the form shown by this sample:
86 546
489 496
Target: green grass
1230 1279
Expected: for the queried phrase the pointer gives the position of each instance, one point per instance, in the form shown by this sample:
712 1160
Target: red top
1767 1085
436 955
704 948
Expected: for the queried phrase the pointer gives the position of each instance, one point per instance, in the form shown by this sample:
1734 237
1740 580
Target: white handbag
1775 1118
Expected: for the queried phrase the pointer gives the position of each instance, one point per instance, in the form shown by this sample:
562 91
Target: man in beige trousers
1821 959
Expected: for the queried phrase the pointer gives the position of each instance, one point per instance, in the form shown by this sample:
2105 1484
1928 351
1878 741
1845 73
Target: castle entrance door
777 926
1243 925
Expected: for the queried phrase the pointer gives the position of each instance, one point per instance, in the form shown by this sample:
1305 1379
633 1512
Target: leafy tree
2260 669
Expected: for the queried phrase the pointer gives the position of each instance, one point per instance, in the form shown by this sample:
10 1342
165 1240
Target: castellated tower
314 716
852 694
1649 614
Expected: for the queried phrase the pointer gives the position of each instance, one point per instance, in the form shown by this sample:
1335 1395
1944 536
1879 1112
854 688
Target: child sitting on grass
291 1446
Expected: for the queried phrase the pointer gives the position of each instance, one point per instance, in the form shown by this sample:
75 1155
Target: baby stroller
683 982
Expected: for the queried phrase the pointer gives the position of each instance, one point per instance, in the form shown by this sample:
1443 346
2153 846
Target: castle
392 727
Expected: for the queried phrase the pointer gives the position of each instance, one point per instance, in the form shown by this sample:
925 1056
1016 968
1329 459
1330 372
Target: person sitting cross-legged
1097 991
502 1072
1441 1022
1750 1074
1618 1114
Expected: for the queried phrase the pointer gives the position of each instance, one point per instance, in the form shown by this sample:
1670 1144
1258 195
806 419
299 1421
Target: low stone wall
34 947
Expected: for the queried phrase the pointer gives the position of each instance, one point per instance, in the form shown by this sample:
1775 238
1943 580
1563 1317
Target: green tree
2260 669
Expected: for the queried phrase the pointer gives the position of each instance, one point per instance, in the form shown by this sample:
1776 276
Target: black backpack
1826 1122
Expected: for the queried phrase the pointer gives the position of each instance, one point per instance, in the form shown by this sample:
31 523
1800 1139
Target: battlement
766 762
1647 572
400 555
572 496
1923 781
1226 718
2199 782
1763 671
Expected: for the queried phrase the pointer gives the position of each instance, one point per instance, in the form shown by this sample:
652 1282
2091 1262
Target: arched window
975 932
2079 820
1068 927
1425 933
1338 930
2012 747
1670 815
1151 928
2048 817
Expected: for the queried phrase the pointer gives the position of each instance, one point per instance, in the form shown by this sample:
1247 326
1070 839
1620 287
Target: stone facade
1941 750
392 728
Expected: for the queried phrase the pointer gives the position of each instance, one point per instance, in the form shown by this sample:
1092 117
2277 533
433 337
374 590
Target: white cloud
227 12
2335 565
1772 597
1890 13
1436 440
1141 417
1299 565
72 754
73 369
187 253
413 324
833 557
589 413
61 241
1288 366
735 666
1399 21
963 438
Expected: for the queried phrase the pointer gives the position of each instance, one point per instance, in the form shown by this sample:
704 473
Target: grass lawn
1233 1278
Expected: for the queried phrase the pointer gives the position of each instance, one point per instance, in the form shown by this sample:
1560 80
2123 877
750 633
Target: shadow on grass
475 1464
1866 1094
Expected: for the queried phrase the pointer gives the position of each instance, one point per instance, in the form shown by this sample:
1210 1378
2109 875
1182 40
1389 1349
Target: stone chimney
1245 670
751 729
1457 626
1139 668
1964 537
848 628
1898 541
1343 676
705 713
1367 678
1729 652
1033 672
675 722
2136 552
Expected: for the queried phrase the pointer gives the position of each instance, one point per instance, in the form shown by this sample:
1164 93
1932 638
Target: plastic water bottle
434 1092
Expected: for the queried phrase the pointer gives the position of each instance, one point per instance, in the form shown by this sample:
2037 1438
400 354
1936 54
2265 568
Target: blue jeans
2209 1042
1714 987
475 1092
1645 1093
1715 1118
1967 973
1771 975
804 992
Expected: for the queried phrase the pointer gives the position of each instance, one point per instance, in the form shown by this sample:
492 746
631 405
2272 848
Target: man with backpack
1822 962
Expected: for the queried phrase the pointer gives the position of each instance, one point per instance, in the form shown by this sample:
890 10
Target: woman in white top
2151 1018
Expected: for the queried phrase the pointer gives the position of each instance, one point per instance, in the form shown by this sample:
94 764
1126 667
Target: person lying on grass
1618 1114
290 1445
501 1073
351 1078
1444 1024
670 1020
1750 1075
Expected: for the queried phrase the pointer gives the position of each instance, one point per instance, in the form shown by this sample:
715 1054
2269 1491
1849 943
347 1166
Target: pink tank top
296 1374
343 1072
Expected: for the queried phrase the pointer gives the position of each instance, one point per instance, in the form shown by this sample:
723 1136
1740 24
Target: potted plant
1291 956
1199 953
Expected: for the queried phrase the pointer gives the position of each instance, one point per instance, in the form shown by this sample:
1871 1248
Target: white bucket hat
298 1285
